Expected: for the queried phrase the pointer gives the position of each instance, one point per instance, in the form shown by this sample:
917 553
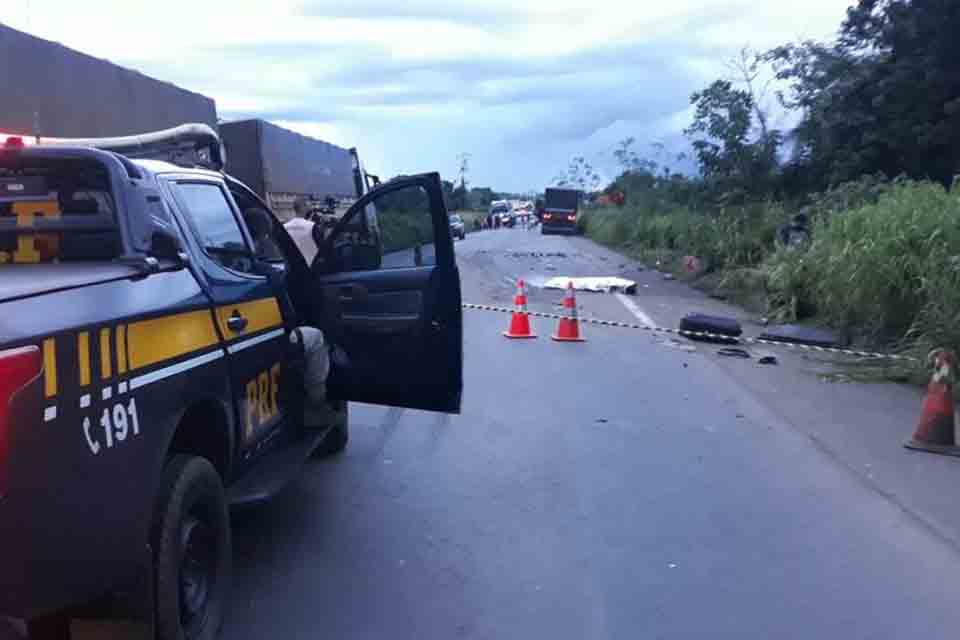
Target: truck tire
192 551
338 436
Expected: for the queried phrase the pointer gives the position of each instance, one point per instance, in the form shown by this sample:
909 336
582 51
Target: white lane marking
172 370
107 393
49 414
122 387
240 346
635 310
85 401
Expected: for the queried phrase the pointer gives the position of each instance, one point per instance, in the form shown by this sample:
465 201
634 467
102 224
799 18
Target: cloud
523 86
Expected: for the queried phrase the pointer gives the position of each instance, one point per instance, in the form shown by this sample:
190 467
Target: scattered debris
798 334
692 264
733 353
604 284
768 359
668 276
550 267
602 420
536 254
676 344
672 565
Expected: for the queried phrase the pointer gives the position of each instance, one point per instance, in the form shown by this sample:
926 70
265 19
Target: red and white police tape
701 334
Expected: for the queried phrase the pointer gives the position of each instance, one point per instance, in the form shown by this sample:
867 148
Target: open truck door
386 290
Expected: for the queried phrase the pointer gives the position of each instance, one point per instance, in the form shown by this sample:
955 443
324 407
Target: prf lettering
261 400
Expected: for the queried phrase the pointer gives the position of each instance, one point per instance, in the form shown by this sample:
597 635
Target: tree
733 160
884 98
747 69
480 197
580 174
720 129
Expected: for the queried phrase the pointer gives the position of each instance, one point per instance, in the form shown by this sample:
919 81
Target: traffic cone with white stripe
935 431
568 329
519 319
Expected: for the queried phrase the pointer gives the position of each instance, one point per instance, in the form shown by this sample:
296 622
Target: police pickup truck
148 379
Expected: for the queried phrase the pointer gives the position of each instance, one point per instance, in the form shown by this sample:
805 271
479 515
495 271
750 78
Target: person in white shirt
301 230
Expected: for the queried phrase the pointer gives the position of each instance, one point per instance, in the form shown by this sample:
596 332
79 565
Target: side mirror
165 246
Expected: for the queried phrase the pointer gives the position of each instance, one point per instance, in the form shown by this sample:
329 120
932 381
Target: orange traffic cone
568 329
519 320
935 431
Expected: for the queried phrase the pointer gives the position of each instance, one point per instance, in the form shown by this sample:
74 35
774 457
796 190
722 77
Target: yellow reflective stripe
260 314
121 350
50 367
159 339
105 364
83 357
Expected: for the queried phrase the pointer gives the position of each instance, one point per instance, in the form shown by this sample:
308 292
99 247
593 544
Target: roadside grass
882 267
401 230
470 218
404 229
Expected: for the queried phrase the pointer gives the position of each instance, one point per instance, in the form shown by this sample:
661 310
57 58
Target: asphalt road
609 489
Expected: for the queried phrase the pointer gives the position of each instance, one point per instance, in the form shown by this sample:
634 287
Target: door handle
346 293
236 322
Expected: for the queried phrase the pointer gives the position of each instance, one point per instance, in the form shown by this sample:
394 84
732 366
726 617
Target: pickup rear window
56 211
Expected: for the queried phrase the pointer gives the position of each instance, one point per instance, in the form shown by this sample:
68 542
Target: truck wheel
192 551
338 436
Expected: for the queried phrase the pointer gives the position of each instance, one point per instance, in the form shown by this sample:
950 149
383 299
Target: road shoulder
861 425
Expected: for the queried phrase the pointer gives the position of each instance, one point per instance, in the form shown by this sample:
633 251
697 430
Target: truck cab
560 211
152 366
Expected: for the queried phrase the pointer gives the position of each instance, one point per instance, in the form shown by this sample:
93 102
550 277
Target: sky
521 87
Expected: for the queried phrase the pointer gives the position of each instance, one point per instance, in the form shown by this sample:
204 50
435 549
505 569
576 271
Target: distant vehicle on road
560 211
457 228
500 212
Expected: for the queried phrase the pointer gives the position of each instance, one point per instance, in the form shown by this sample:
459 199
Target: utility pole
464 160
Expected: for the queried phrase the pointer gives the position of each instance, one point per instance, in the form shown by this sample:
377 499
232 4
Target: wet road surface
608 489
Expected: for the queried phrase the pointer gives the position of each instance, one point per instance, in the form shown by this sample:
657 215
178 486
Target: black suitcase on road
727 328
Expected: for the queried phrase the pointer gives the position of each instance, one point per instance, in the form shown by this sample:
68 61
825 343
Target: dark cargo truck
151 376
560 211
284 167
50 89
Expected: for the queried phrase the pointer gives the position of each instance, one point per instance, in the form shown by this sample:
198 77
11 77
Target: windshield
455 220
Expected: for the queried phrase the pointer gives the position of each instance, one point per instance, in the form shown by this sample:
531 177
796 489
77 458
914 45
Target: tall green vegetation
871 162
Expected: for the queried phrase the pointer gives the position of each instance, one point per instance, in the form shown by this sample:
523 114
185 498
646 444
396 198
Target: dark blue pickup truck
148 379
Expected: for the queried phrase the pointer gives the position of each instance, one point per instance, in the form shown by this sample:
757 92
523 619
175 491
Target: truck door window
403 222
215 225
